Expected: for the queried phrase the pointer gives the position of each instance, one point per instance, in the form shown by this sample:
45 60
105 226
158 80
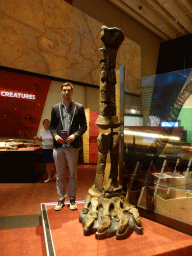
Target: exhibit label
17 95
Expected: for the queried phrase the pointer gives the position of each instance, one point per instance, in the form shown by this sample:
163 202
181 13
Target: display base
21 166
63 233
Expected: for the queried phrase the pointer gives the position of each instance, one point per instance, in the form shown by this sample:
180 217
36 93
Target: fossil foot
105 224
94 192
107 217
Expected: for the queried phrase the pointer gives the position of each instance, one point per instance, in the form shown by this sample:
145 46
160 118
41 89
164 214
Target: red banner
22 100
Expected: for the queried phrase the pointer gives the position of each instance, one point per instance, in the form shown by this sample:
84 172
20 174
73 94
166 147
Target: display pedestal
64 234
20 166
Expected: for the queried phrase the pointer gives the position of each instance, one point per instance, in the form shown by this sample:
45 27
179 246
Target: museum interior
130 63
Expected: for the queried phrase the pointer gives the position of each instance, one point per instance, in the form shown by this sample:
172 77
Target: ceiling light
133 111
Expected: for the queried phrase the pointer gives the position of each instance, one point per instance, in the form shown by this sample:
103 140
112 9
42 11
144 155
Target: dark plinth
20 166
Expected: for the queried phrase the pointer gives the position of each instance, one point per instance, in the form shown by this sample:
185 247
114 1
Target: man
68 123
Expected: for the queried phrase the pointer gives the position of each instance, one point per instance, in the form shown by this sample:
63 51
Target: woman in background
47 148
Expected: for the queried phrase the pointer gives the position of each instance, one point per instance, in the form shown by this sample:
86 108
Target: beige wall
108 14
53 38
92 99
105 12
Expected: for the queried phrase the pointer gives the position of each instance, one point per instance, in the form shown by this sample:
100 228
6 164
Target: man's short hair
67 84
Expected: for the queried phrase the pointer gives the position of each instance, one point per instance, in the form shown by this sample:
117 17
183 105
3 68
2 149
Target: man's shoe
59 205
72 205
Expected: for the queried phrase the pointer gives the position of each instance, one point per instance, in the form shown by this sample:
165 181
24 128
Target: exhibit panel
22 99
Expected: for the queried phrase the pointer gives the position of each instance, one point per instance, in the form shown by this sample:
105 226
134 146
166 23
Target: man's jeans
61 155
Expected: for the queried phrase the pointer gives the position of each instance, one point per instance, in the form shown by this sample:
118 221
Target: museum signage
22 100
17 95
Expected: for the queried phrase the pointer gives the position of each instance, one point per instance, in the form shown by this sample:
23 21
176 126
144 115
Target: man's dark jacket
78 123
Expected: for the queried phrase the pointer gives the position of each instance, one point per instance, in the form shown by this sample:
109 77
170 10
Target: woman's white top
47 139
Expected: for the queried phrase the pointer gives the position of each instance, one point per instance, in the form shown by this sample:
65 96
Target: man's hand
59 139
71 138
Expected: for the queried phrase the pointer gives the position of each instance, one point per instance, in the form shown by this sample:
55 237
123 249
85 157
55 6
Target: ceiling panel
169 19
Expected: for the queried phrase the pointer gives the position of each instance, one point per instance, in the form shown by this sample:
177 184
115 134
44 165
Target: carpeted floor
68 238
21 233
22 242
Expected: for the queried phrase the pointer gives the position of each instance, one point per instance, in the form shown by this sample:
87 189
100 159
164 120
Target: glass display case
21 161
18 144
158 175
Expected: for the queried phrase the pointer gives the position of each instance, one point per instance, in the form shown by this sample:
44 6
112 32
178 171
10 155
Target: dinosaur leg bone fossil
103 142
119 215
93 213
113 184
131 209
85 209
106 215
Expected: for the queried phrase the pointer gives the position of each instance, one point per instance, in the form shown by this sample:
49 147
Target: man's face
67 93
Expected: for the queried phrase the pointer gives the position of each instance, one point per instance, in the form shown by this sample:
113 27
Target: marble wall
53 38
